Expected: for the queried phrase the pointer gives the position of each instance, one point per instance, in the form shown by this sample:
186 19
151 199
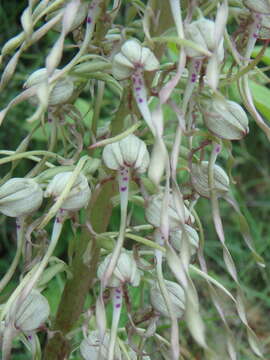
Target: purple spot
197 64
140 81
118 291
117 306
255 36
18 226
57 220
137 88
193 77
49 120
123 188
218 148
89 20
29 337
140 100
125 178
118 297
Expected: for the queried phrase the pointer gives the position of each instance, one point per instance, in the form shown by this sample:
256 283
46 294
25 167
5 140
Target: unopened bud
78 196
61 91
199 178
91 348
176 295
130 152
31 313
126 270
259 6
177 236
202 32
226 119
133 56
154 208
81 14
20 197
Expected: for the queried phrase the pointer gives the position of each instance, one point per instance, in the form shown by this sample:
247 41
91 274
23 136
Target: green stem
20 237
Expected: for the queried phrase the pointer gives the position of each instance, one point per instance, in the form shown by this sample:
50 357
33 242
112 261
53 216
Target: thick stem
77 288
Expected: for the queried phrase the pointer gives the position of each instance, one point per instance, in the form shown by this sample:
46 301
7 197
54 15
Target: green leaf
265 58
261 96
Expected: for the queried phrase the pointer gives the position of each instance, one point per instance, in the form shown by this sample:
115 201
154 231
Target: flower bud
125 271
31 313
226 119
177 236
20 197
176 295
133 355
92 349
78 196
199 178
131 57
153 212
130 151
77 21
60 92
259 6
202 32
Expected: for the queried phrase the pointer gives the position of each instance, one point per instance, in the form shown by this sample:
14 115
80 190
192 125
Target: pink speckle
140 100
255 36
137 88
89 20
118 297
123 188
117 306
118 291
218 148
125 178
18 226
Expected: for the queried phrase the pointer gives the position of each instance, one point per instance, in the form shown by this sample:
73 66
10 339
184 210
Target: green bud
77 21
153 212
92 349
199 178
202 32
177 237
259 6
176 295
130 151
31 313
78 196
20 197
60 92
133 55
226 119
126 270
